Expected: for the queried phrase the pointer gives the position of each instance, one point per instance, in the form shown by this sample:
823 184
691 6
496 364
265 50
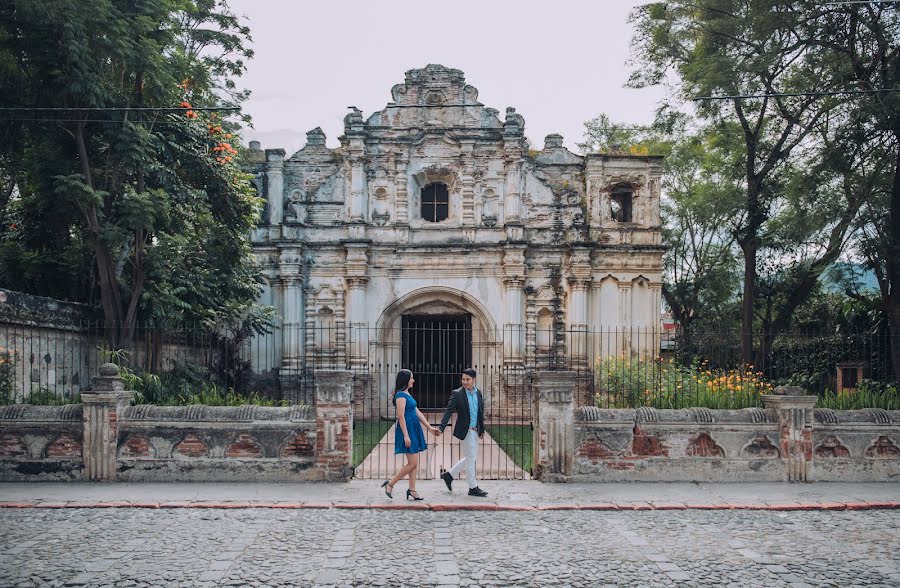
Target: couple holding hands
409 439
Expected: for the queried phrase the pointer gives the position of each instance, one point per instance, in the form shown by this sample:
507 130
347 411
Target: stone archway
483 341
374 414
439 300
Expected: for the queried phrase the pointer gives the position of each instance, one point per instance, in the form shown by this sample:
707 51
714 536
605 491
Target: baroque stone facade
436 207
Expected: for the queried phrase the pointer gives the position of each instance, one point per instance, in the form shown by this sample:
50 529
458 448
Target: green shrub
7 377
631 381
186 385
870 394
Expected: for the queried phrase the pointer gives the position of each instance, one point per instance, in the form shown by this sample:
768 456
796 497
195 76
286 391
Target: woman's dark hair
403 378
469 372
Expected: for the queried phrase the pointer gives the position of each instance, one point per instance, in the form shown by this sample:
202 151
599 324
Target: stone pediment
435 85
315 149
431 98
554 153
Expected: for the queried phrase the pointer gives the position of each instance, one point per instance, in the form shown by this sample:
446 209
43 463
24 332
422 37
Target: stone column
468 184
656 323
513 311
290 266
402 183
358 190
625 316
513 140
554 442
578 317
580 283
334 424
514 301
795 423
357 324
275 191
102 408
355 134
513 203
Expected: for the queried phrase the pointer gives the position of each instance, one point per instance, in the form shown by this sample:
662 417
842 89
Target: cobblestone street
332 547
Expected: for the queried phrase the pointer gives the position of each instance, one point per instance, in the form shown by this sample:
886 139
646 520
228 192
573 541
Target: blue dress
417 441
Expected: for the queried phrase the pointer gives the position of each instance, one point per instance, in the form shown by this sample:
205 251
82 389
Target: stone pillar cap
109 369
789 391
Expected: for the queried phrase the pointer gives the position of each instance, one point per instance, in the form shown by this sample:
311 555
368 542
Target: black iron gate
437 348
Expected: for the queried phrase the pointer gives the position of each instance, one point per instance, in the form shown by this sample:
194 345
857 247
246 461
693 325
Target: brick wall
732 445
41 443
217 443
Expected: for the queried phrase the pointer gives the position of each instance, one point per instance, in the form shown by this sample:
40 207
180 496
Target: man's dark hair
469 372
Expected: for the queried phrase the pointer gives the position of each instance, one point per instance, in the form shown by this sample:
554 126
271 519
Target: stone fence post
102 408
334 424
554 442
795 425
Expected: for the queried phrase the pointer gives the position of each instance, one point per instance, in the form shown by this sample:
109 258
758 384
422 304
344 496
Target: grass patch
515 441
366 435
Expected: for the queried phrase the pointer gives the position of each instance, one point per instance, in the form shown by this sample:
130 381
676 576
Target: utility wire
861 2
796 94
92 120
116 108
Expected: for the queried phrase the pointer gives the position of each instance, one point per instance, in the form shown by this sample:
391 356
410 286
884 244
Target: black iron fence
616 367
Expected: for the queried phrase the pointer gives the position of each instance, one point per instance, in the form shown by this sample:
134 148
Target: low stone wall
41 443
750 445
105 439
217 443
684 445
857 444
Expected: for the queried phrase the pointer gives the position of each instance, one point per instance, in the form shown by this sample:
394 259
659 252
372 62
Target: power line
91 120
797 94
861 2
117 108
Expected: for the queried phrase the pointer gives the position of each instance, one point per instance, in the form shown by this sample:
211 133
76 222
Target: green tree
152 197
698 201
700 198
741 48
862 43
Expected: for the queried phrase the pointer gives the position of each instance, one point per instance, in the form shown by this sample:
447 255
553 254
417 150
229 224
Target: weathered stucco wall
212 443
105 439
730 445
41 443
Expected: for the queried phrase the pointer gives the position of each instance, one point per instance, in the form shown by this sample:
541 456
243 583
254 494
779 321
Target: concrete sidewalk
503 495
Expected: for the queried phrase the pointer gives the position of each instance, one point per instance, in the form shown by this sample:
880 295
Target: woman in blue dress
408 437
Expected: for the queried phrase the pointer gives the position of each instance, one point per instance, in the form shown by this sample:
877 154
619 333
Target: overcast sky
558 63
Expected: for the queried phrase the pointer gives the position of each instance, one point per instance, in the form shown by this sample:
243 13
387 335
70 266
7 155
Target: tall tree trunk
749 247
137 283
110 298
892 304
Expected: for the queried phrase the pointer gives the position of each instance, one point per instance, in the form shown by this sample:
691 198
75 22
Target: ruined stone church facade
435 207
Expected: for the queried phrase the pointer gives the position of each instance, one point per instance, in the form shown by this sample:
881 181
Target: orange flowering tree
131 197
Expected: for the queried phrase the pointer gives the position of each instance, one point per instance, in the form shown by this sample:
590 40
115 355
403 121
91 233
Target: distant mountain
834 278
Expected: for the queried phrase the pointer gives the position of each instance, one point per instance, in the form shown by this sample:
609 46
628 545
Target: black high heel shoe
409 495
385 485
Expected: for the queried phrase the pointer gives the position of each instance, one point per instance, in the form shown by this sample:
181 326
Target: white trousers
470 453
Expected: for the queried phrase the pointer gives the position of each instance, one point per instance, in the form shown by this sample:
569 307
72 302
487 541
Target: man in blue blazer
468 403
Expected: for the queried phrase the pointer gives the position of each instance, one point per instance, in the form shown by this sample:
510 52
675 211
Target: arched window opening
620 204
435 202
